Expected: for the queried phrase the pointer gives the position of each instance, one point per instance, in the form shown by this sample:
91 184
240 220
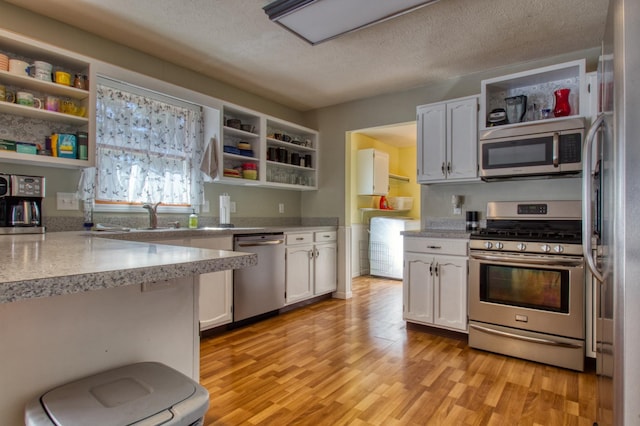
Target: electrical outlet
233 207
206 207
281 208
67 201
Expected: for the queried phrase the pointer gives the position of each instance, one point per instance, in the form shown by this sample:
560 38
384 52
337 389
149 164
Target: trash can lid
120 396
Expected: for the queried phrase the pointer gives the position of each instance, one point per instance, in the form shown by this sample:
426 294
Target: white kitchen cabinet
299 267
284 154
325 277
311 265
373 172
435 282
29 124
448 141
216 288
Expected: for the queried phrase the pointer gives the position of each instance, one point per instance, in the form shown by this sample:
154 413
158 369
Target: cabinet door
450 292
417 288
216 288
462 139
299 273
432 139
326 277
373 172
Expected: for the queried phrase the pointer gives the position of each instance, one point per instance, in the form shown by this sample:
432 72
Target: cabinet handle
299 238
311 254
435 247
435 269
449 167
442 168
431 269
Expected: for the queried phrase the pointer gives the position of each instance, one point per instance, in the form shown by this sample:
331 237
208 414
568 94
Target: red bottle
562 108
384 205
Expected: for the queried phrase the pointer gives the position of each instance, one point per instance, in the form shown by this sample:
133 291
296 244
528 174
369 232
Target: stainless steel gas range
527 281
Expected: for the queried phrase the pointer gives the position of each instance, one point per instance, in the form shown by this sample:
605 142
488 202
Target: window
148 147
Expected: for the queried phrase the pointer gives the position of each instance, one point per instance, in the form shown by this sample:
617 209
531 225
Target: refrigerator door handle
587 219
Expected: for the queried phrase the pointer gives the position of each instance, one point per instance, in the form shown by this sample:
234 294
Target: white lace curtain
148 150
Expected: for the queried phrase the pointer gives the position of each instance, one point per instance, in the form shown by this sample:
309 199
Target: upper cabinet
260 150
538 86
373 172
56 107
448 141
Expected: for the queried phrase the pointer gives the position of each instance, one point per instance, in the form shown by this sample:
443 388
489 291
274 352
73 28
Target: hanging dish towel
209 165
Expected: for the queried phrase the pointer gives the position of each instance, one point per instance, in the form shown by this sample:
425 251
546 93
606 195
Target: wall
336 121
251 202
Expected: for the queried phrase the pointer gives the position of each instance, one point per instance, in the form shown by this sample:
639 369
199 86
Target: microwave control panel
570 148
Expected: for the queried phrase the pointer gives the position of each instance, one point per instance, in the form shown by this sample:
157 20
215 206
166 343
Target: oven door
543 294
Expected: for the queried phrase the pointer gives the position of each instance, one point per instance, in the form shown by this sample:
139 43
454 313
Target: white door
450 292
417 288
326 277
299 273
432 139
462 139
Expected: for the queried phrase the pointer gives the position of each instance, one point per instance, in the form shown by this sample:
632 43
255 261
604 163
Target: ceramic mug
18 67
52 103
63 78
24 98
38 103
41 70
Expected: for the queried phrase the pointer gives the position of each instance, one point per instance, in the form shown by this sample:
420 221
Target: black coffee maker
21 204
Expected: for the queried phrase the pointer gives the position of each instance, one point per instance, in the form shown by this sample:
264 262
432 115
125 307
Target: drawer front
451 246
299 238
324 236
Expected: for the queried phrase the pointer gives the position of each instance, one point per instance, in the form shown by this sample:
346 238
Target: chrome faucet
153 214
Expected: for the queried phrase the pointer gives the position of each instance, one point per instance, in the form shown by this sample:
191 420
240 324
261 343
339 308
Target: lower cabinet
216 288
435 282
311 265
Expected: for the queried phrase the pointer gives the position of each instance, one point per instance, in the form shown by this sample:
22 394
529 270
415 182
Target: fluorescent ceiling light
320 20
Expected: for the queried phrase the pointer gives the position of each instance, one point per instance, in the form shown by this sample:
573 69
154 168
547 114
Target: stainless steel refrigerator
611 215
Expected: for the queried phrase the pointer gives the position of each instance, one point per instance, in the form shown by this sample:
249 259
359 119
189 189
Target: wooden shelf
48 87
42 114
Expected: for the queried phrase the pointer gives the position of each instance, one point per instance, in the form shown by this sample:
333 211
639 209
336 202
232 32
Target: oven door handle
528 260
524 338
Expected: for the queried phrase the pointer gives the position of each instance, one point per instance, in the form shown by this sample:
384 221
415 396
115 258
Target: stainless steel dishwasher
259 289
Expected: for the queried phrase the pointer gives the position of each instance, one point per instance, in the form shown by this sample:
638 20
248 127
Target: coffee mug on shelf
18 67
38 103
52 103
41 70
63 78
24 98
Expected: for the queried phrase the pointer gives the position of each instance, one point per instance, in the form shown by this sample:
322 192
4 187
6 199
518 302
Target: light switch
67 201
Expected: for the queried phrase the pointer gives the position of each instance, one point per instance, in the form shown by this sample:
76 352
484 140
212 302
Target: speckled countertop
60 263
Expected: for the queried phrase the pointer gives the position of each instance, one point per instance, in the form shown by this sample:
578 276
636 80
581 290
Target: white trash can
143 394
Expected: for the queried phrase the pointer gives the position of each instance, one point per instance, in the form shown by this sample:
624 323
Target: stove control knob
488 245
499 246
558 249
545 248
521 246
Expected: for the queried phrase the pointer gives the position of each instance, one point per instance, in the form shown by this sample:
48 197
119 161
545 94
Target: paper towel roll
225 209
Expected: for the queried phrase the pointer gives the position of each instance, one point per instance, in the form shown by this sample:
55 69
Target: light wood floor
355 362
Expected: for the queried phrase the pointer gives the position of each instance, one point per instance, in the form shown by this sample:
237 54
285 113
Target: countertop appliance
385 245
259 289
610 206
21 204
526 282
543 148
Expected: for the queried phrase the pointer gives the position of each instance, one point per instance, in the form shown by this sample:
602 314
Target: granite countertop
162 233
70 262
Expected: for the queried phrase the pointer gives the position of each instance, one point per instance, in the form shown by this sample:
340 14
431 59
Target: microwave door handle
587 219
556 149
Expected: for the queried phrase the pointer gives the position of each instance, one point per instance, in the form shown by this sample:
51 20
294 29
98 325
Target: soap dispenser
193 220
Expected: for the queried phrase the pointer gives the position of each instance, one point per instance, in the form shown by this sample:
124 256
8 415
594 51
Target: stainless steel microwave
536 149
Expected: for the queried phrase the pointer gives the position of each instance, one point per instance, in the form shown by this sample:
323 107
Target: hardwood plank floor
355 362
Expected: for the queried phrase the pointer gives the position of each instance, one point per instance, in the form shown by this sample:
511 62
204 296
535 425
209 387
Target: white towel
209 164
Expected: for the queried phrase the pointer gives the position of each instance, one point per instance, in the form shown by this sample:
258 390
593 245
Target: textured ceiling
234 41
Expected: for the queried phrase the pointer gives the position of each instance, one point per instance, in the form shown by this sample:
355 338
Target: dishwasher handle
259 243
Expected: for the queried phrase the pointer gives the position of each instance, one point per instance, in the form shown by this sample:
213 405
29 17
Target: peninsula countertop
58 263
